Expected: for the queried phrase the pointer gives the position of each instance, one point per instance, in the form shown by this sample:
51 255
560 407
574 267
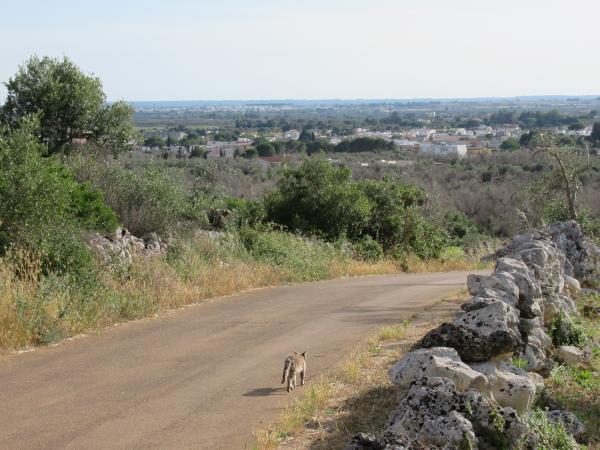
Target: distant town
458 127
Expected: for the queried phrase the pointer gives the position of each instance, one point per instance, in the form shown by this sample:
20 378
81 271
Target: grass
36 309
578 388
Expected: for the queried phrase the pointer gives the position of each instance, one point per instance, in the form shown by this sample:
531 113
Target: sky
309 49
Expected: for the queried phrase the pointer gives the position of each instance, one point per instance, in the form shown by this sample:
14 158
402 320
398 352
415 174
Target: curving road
202 377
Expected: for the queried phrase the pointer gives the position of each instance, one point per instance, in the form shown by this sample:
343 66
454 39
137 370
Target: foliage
154 141
70 105
43 208
459 228
364 144
320 199
148 200
368 249
566 332
545 434
595 136
245 213
265 149
510 144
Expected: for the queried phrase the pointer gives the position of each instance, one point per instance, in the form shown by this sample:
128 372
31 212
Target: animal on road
294 364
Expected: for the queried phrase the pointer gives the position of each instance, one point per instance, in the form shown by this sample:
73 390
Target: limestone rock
435 362
496 317
530 292
476 284
569 355
569 421
583 255
572 286
455 418
471 345
547 263
508 385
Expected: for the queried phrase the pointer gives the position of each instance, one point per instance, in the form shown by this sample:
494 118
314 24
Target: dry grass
445 265
35 310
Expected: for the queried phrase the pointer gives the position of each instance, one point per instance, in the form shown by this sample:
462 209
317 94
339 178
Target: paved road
202 377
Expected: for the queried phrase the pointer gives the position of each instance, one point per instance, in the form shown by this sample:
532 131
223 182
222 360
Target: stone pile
119 248
460 387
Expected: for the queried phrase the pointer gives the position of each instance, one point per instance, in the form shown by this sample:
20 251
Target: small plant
566 332
519 362
543 434
392 332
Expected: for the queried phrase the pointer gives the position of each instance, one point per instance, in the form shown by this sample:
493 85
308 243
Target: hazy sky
232 49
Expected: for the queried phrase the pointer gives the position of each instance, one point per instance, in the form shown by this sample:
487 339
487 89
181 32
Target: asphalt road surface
202 377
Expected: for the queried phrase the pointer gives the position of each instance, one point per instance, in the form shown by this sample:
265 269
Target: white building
444 149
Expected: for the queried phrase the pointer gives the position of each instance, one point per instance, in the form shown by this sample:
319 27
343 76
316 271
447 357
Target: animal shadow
264 392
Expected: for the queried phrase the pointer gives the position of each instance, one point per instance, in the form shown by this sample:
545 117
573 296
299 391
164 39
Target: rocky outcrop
119 248
461 384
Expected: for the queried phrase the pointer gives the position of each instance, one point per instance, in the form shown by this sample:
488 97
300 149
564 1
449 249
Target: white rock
508 385
569 355
496 317
572 286
475 284
435 362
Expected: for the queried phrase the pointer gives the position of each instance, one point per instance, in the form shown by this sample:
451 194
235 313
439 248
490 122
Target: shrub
42 209
368 249
319 199
565 332
150 200
543 434
245 212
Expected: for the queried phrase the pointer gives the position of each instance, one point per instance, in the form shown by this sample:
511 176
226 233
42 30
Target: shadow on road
264 392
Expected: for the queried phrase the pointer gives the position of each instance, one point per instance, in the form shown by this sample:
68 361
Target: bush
43 209
543 434
459 228
245 212
150 200
565 332
319 199
368 249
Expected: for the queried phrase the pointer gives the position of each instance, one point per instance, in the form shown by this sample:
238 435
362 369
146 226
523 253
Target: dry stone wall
459 386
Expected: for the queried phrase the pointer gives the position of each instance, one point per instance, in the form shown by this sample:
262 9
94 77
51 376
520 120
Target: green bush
303 258
148 200
461 230
319 199
245 212
42 209
368 249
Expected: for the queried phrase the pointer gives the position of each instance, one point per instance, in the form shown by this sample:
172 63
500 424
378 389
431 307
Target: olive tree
69 104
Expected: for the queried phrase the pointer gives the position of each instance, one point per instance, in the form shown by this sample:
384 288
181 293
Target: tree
154 141
265 149
531 139
306 136
70 105
510 144
595 136
570 166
